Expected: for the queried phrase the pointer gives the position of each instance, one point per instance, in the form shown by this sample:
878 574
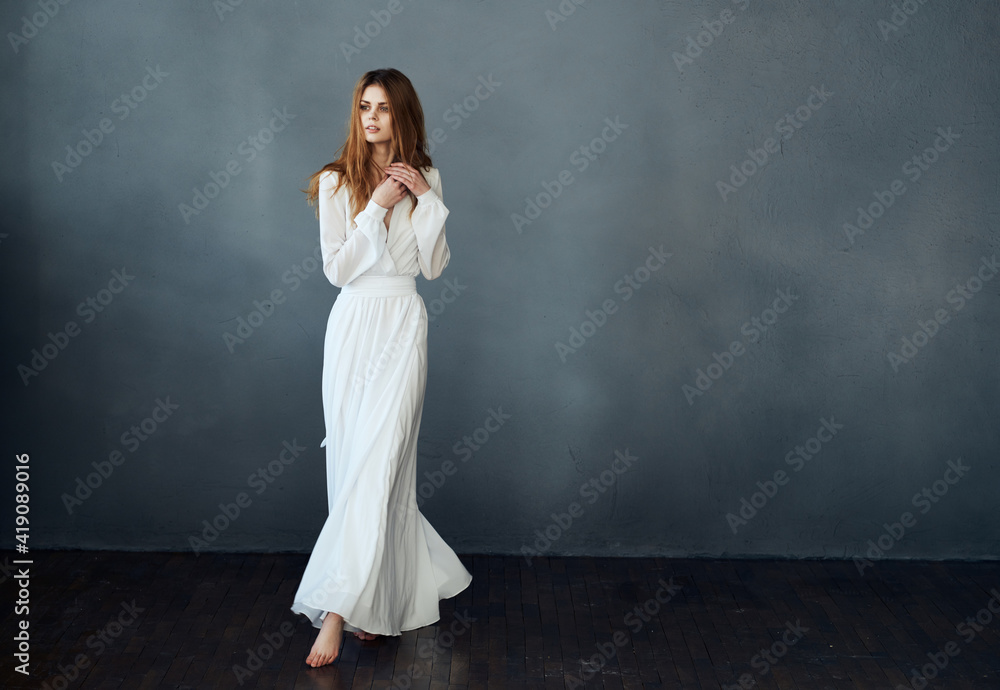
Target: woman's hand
389 192
409 176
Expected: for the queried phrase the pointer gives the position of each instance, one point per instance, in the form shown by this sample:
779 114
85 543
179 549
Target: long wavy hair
355 165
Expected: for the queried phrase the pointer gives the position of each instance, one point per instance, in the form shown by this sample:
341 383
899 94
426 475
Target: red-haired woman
378 566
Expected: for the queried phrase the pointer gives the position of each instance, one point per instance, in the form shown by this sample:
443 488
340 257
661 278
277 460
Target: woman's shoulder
329 179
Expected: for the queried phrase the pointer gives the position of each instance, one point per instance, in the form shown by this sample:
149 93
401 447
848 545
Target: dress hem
317 619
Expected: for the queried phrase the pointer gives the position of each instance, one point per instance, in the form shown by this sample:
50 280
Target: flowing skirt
377 561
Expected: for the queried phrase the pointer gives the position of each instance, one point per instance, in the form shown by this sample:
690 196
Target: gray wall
512 294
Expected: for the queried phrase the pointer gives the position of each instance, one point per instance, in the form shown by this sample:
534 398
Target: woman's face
374 112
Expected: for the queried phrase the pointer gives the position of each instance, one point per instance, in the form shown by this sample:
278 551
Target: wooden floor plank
223 621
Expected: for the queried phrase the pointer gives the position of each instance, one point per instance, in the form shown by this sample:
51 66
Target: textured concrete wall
670 325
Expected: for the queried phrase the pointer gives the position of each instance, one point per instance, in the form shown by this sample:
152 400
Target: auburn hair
355 165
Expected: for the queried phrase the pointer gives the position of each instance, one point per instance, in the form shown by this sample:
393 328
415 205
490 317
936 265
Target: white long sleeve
345 258
433 253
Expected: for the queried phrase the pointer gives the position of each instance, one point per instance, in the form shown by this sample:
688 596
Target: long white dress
377 561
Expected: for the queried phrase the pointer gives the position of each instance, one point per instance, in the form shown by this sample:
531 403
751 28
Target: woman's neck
382 155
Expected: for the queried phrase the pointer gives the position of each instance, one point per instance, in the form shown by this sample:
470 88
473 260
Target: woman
378 566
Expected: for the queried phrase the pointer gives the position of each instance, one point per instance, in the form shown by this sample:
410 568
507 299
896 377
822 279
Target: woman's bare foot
362 635
326 648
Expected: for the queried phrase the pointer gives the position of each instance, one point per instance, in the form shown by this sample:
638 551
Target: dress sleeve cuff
375 211
429 195
371 225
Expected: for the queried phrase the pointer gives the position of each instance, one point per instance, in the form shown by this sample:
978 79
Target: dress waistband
381 286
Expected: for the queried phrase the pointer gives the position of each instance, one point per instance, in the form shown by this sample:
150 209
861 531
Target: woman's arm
428 225
345 258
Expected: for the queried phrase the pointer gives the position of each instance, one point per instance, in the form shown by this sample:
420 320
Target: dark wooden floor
146 620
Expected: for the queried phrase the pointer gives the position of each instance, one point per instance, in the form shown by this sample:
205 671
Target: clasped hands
399 177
